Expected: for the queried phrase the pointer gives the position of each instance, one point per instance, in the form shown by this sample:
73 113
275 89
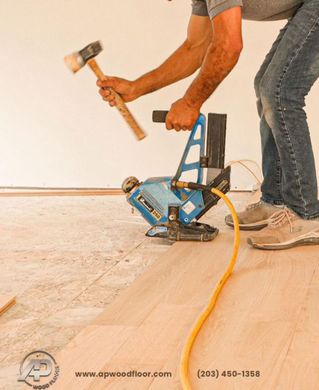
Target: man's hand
123 87
181 116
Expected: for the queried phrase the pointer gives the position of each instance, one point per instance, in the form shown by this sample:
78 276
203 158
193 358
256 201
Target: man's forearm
181 64
217 64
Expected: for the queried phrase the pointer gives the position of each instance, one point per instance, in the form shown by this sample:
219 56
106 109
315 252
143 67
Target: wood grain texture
266 320
6 301
50 193
300 370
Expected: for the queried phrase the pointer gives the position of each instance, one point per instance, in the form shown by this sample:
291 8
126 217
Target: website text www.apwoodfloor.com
123 374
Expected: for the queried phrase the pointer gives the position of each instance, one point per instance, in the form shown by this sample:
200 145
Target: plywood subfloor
66 259
266 321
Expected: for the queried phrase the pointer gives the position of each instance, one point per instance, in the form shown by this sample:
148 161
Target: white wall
55 129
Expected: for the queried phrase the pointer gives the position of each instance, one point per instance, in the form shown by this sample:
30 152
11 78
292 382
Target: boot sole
249 227
302 242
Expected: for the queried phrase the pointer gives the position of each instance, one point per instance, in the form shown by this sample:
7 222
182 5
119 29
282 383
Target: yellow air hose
184 363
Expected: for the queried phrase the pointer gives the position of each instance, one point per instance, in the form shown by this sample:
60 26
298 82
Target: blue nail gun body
172 212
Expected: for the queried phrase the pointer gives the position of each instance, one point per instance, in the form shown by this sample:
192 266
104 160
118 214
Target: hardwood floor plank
300 369
265 320
89 352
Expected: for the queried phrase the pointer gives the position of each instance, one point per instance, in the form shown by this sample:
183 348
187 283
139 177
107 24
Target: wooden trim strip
6 302
82 192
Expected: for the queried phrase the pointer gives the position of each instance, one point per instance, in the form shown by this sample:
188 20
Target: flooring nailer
171 206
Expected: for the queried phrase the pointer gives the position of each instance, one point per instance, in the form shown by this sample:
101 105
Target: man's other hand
181 116
125 88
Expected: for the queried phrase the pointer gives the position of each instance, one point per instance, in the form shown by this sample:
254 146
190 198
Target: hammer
79 59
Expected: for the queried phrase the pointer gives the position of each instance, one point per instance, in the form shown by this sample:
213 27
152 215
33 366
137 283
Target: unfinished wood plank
172 280
251 328
6 301
254 320
149 348
89 352
300 369
50 193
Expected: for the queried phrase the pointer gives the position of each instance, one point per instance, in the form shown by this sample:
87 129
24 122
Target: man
288 212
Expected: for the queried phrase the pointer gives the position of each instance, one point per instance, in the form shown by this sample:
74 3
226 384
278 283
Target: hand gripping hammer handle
121 106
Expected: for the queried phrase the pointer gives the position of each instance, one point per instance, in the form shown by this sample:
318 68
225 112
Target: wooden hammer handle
121 106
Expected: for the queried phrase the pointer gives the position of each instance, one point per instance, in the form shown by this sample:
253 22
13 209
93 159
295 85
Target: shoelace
280 217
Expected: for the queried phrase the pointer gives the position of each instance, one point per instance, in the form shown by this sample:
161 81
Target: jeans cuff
274 202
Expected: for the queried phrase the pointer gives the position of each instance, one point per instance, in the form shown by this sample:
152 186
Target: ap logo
39 370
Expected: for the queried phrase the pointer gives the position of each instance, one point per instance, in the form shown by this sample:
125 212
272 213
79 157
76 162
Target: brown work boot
255 217
286 230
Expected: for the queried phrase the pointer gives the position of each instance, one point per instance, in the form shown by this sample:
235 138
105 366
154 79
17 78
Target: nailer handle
159 116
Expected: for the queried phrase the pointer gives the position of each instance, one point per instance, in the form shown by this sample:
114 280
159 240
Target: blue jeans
282 83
